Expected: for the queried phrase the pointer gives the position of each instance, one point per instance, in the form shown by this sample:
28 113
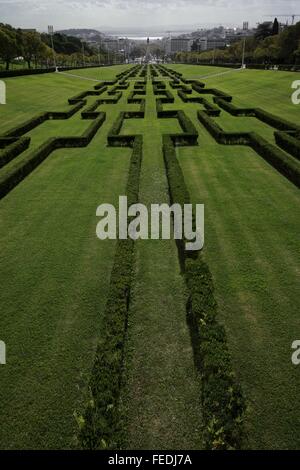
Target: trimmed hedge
101 425
289 143
274 121
177 187
27 126
113 100
66 114
211 91
226 138
234 110
222 400
13 149
90 112
82 95
161 113
223 403
211 109
102 87
21 129
285 164
17 171
114 139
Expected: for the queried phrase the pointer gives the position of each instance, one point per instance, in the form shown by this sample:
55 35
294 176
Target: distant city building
215 44
111 45
202 44
246 26
124 45
175 45
28 30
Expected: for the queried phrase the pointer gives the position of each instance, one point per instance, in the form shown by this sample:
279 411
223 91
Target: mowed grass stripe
55 275
252 215
32 94
161 399
267 89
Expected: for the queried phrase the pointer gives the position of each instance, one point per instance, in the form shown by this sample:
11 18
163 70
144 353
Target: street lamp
50 31
83 57
99 55
243 57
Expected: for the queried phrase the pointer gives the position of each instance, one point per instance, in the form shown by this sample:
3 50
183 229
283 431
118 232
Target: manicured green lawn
54 276
266 89
162 394
32 94
55 273
252 247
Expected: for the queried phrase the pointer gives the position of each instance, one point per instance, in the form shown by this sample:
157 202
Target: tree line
267 46
33 49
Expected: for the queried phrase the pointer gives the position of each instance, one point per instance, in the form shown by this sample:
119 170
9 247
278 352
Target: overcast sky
143 14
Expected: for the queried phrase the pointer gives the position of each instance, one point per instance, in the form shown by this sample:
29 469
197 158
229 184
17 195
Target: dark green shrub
18 170
289 143
284 163
101 424
13 149
230 108
274 121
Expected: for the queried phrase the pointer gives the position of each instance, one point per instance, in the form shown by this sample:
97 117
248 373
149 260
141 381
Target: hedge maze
14 143
223 402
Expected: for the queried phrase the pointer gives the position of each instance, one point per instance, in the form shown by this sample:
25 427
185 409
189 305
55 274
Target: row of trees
34 49
263 48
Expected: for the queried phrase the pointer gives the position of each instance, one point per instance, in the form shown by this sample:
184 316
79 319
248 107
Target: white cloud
137 13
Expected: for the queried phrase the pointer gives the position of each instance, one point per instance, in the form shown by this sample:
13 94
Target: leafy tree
275 29
289 43
264 30
8 44
33 47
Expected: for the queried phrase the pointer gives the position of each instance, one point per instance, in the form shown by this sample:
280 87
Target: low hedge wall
13 150
80 97
18 170
275 121
211 91
235 111
66 114
226 138
27 126
161 113
90 112
221 395
101 87
223 403
114 100
30 124
166 96
114 139
211 109
289 143
285 164
100 427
